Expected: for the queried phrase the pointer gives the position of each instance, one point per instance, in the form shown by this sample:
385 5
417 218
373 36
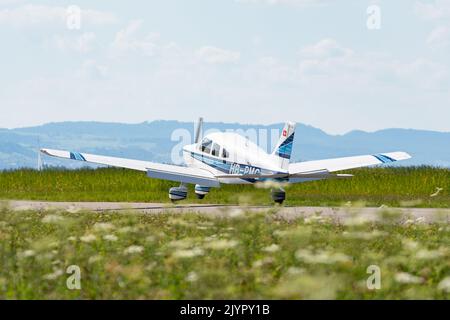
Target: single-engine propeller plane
229 158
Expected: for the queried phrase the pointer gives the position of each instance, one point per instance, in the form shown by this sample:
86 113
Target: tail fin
283 149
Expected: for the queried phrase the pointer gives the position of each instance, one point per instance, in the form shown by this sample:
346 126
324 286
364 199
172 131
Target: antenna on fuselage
198 131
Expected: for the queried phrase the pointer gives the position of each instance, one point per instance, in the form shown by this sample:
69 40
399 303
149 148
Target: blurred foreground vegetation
236 255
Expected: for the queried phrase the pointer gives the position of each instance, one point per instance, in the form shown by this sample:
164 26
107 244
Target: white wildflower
410 244
133 249
127 229
52 218
210 238
72 238
110 237
188 253
295 271
425 254
321 257
404 277
151 266
221 244
272 248
364 235
52 276
261 262
88 238
444 285
26 254
103 226
94 259
191 276
181 243
56 262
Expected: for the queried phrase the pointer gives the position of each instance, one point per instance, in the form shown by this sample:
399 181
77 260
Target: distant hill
154 141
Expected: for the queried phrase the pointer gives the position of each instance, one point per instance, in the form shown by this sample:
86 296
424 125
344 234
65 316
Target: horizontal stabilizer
319 174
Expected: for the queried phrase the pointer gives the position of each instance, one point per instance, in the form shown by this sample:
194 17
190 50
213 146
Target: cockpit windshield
206 145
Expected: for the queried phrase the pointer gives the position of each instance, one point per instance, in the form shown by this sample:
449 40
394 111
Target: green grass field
238 256
406 186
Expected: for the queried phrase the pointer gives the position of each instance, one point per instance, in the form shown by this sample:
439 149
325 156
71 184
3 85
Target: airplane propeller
198 131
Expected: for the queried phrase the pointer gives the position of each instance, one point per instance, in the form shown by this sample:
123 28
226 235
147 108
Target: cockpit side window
225 153
206 145
215 150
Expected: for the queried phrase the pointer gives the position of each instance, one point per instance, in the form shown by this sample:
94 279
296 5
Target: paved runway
337 214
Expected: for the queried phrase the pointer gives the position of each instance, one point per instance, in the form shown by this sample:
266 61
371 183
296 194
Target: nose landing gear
201 191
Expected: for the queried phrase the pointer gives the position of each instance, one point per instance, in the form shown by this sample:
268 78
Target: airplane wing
154 170
338 164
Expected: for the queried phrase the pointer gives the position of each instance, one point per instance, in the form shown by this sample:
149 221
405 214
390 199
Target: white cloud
327 62
439 38
325 48
9 2
82 43
130 40
92 70
439 9
297 3
214 55
33 15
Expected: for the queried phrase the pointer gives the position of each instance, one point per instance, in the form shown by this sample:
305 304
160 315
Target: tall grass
403 186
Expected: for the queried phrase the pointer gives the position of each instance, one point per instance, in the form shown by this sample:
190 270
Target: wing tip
402 155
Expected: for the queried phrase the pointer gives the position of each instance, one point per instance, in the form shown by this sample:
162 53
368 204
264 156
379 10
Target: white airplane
229 158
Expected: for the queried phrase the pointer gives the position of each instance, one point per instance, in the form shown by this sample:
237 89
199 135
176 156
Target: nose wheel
201 191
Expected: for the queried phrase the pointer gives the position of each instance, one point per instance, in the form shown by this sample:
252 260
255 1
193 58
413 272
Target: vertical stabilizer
283 150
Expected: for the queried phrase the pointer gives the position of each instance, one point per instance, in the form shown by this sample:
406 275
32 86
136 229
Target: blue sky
248 61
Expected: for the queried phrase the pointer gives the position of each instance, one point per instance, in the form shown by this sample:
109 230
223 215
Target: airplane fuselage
229 153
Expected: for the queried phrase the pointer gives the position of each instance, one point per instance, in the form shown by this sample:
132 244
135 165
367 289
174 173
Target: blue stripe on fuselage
230 167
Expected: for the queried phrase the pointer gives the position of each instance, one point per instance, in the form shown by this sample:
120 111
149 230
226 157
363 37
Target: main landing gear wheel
201 191
178 193
278 195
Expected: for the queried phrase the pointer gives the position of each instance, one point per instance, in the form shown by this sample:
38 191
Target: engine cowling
201 191
178 193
